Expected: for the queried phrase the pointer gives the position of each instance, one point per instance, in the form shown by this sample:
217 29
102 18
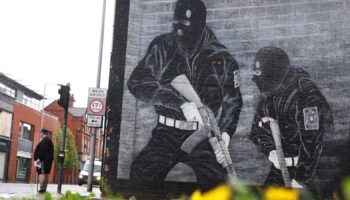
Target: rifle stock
184 87
275 130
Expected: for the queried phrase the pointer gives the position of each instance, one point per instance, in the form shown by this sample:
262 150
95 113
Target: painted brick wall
314 33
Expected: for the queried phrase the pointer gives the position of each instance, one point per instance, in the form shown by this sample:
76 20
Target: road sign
97 101
96 106
100 93
94 121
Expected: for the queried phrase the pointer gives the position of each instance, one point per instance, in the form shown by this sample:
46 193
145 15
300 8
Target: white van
84 173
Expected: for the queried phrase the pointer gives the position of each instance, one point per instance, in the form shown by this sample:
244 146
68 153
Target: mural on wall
302 114
253 89
190 49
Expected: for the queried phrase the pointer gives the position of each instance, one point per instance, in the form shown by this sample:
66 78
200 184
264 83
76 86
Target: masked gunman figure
302 113
191 49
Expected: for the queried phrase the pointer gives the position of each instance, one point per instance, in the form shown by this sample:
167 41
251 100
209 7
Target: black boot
42 190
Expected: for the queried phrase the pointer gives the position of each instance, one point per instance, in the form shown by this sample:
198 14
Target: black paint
212 72
302 113
115 91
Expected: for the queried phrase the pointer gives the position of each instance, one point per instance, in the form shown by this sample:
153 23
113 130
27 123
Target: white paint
188 13
236 76
24 154
94 121
257 64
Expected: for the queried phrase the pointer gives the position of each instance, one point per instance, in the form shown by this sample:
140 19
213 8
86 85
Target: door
2 165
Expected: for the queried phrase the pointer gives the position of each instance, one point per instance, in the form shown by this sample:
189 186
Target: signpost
97 101
97 93
94 121
96 110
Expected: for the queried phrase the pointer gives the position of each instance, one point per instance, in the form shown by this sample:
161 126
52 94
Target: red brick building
21 122
26 126
76 122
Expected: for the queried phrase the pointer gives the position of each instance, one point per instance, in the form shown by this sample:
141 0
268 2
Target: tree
71 152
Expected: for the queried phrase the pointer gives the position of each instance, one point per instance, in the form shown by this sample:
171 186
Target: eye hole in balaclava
257 69
189 21
270 66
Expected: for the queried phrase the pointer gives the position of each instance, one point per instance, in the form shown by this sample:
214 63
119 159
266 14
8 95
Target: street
19 190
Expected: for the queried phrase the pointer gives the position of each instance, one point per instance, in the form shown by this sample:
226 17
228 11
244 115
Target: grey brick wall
315 34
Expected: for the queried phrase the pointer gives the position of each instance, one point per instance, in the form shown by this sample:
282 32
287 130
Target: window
87 149
31 102
23 169
5 123
2 165
97 168
7 90
85 145
26 131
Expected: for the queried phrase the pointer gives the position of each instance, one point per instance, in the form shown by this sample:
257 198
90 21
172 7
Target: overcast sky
55 42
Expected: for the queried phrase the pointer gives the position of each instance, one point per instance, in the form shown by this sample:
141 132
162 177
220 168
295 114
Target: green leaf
48 196
346 188
71 152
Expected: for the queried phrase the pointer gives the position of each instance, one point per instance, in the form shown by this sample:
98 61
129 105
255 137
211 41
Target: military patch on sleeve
311 119
236 76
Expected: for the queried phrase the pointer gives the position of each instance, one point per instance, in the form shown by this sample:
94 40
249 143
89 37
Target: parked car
84 173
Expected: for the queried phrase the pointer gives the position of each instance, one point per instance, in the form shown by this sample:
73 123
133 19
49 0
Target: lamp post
94 131
43 105
42 109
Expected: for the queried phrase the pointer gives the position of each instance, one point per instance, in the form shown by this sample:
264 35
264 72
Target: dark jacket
210 68
303 116
44 151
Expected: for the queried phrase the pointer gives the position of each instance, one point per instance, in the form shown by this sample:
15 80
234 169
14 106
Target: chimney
71 101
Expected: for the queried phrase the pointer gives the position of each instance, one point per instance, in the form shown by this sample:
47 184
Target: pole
37 180
103 152
101 45
91 162
42 111
61 153
94 130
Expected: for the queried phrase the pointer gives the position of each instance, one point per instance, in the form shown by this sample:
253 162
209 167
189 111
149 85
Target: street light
98 80
43 105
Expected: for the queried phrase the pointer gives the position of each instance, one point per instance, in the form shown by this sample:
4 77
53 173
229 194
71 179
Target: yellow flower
280 193
222 192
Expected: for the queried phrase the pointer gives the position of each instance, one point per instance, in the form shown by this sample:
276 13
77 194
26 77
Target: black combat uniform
302 112
213 73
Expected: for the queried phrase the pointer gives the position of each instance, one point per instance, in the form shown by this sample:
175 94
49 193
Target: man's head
44 133
270 66
189 21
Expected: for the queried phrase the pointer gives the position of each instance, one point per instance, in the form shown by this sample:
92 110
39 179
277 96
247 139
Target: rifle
184 87
276 134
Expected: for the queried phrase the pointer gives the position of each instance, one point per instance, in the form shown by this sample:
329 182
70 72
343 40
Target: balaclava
270 67
189 22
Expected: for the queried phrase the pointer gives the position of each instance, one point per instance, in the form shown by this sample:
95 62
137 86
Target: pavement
29 190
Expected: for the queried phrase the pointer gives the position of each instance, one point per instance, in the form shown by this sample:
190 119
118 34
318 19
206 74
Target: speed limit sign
97 101
96 106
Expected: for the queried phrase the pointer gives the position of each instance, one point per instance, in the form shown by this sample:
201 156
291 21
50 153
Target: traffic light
63 101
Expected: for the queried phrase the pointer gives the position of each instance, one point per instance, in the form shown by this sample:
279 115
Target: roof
77 112
17 86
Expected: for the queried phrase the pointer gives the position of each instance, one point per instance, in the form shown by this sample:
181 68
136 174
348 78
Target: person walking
43 157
